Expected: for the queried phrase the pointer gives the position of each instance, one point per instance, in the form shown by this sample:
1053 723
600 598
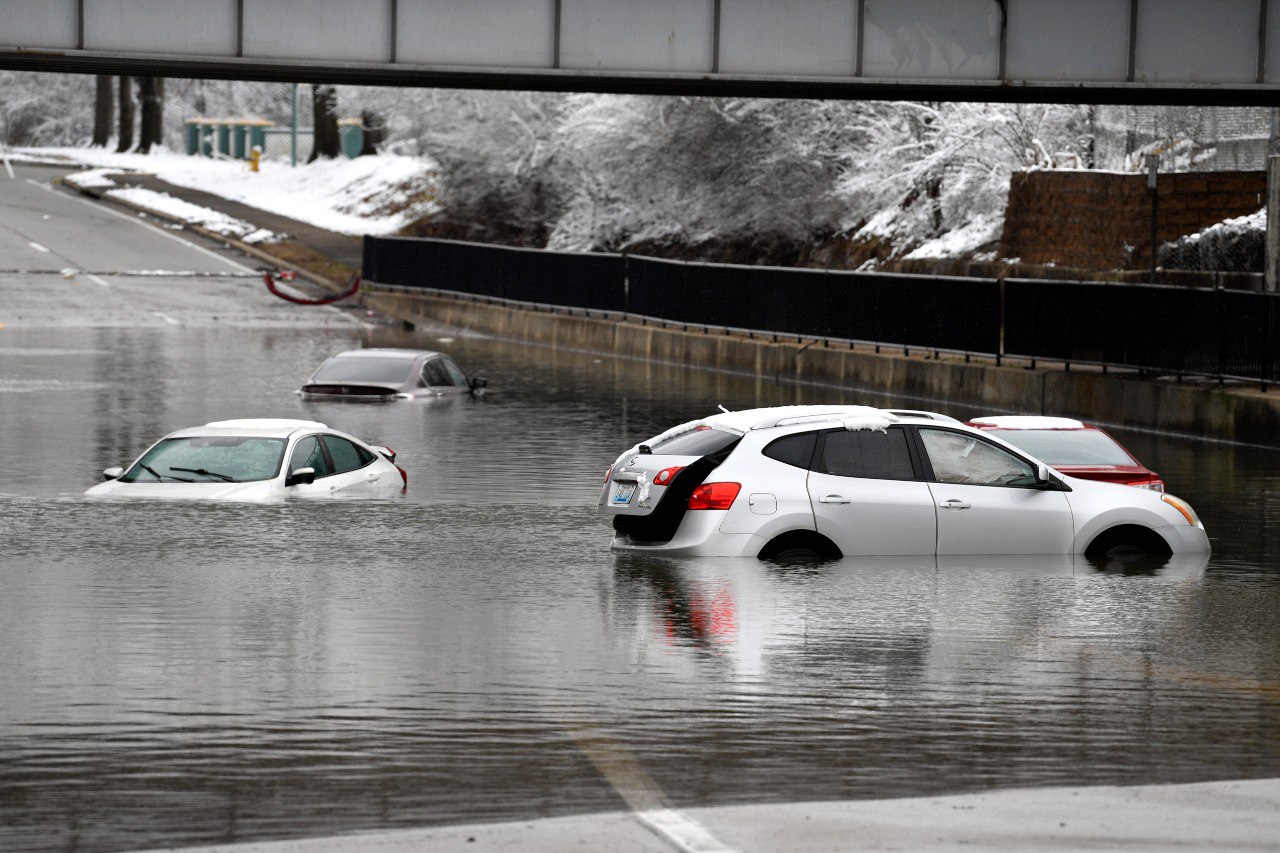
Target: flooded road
471 651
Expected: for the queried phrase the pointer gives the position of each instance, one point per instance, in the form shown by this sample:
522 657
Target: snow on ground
368 195
211 220
960 241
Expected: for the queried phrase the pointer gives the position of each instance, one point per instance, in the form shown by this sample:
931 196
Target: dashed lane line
237 267
163 233
33 244
643 796
97 279
163 316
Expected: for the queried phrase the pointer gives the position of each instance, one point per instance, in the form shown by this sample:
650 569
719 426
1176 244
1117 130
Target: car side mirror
478 383
112 473
300 476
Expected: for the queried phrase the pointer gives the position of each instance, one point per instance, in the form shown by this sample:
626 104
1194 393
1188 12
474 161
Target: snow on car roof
277 427
1028 422
386 352
853 417
265 423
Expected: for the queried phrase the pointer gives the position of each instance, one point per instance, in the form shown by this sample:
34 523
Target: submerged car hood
256 491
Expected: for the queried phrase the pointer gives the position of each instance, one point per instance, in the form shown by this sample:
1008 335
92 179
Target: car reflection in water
893 615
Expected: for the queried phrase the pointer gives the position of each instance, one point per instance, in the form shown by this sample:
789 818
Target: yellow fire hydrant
255 157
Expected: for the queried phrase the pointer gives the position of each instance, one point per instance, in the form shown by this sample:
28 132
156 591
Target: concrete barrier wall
1235 413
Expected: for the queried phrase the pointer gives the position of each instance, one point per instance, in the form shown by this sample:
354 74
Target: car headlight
1182 507
1149 485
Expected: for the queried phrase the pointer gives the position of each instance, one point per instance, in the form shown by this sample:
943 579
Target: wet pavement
471 651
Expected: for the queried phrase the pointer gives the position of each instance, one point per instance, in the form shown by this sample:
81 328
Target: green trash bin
350 136
223 137
192 129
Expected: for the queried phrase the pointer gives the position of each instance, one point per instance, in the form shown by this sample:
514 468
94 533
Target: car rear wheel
800 546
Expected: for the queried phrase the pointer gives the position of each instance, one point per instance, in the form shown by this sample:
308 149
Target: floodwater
178 674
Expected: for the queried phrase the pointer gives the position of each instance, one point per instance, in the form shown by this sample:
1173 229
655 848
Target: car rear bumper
699 536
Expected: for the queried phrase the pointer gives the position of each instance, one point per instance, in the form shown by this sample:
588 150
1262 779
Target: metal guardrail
1153 329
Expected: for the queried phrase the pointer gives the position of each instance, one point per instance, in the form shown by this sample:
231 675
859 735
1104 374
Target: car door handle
955 503
372 478
834 499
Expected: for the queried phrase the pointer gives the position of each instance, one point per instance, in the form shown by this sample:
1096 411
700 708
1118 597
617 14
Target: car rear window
794 450
364 369
1067 446
700 442
866 453
346 456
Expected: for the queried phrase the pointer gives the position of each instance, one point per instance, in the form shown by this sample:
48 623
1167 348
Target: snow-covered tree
922 169
688 171
46 109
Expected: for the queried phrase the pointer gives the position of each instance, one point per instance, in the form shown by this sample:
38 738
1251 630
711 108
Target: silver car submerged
380 374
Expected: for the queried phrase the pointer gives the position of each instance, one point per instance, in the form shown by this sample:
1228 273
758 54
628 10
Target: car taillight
404 476
714 495
608 472
666 475
1156 485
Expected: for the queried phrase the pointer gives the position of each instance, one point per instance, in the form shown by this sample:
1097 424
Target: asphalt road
120 259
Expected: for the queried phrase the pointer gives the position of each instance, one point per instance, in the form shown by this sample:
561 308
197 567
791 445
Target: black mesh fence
1159 328
1163 329
593 281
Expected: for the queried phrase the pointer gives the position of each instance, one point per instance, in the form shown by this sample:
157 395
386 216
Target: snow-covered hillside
367 195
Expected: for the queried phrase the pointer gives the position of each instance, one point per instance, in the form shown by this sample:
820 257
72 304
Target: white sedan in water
257 460
858 481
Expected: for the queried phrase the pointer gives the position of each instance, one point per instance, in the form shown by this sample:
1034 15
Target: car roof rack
928 416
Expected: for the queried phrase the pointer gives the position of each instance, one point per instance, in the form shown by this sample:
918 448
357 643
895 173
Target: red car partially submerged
1074 448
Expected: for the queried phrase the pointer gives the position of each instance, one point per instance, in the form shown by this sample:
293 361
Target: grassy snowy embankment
368 195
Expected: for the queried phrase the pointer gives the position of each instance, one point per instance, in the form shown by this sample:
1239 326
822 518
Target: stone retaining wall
1102 220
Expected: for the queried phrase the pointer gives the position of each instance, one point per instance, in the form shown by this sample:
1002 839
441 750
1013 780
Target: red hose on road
269 279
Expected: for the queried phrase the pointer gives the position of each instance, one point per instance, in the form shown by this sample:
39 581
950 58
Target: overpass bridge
1078 51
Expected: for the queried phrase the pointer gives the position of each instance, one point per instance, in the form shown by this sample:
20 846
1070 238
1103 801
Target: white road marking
642 794
163 233
105 208
8 167
166 318
33 244
98 280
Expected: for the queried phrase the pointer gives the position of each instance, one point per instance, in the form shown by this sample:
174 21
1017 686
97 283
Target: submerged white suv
859 481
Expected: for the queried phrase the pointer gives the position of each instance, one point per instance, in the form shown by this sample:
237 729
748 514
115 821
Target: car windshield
209 459
1067 446
364 369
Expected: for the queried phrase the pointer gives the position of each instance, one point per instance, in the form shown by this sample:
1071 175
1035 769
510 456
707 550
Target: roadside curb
104 195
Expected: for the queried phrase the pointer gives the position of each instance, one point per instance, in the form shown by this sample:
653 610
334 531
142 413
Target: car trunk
648 493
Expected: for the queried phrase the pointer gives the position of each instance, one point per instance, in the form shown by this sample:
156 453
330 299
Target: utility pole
293 127
1153 164
1273 203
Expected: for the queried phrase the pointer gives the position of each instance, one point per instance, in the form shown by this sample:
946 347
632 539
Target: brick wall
1086 219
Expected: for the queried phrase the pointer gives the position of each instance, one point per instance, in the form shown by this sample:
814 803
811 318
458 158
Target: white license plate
624 493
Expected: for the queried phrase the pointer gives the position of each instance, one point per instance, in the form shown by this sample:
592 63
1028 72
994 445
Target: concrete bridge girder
1176 51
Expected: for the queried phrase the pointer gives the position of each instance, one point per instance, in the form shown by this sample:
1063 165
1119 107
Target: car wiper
202 472
153 472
